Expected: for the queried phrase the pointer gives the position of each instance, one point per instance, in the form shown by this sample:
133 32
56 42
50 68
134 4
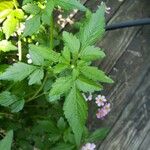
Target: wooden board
128 57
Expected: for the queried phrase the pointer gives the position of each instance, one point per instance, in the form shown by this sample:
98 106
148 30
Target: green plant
43 73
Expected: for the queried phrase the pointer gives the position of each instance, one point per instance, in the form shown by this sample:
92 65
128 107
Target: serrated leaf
70 4
17 72
61 86
5 144
7 46
47 12
32 25
94 28
75 110
71 42
95 74
63 146
91 53
87 85
41 53
10 26
5 4
66 54
7 99
31 8
60 67
18 13
36 76
27 1
61 124
17 106
97 135
5 13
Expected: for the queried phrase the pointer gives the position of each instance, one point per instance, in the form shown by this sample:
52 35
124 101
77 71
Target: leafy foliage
94 28
77 114
7 141
43 73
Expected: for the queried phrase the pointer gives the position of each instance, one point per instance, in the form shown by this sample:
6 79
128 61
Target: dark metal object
126 24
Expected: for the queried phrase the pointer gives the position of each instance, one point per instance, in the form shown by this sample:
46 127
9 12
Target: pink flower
100 100
102 112
89 146
107 107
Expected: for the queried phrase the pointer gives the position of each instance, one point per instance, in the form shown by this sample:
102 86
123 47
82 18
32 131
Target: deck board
127 61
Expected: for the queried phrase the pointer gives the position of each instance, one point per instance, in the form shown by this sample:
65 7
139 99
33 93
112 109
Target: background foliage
41 102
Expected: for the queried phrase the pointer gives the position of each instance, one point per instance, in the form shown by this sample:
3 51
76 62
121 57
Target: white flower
60 16
28 56
89 146
90 97
100 100
29 61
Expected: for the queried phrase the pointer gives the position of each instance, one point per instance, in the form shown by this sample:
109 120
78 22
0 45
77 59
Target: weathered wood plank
128 74
116 47
120 39
146 143
134 122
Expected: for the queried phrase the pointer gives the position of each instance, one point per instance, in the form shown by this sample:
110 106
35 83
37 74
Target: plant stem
39 90
51 32
20 50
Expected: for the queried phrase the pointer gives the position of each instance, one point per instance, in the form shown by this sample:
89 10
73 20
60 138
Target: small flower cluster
29 61
63 21
102 103
89 146
104 106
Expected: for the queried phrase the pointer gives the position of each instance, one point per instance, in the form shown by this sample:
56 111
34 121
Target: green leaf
60 67
32 25
5 4
91 53
61 86
36 76
9 100
95 74
27 1
10 25
6 46
18 13
75 110
17 106
70 4
71 42
87 85
5 144
41 53
97 135
63 146
3 68
61 124
5 13
6 99
94 28
66 54
47 12
17 72
31 8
